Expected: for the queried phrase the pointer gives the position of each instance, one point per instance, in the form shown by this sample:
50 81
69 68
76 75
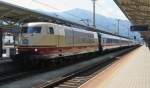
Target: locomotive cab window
51 30
31 30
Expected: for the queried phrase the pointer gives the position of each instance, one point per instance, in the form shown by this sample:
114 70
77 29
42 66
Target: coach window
51 30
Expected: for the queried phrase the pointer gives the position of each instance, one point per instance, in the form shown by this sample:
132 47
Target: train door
99 42
59 39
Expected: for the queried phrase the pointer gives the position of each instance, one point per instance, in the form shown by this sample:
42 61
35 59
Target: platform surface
131 71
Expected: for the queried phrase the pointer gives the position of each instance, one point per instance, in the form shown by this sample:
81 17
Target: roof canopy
137 11
12 14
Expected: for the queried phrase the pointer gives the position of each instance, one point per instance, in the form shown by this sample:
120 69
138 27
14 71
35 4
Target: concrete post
94 18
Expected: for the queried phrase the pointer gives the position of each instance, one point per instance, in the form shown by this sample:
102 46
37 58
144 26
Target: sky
104 7
107 8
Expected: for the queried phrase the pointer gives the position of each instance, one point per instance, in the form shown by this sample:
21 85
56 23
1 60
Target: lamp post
94 26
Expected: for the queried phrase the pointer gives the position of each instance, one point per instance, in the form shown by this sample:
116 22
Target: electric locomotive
48 40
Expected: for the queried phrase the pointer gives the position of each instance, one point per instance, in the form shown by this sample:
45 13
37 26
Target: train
44 40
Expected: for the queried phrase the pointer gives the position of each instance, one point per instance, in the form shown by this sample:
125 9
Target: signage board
139 28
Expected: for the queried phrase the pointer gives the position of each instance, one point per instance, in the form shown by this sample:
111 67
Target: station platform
130 71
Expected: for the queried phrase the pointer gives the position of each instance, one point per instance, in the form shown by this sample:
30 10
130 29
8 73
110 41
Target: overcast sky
104 7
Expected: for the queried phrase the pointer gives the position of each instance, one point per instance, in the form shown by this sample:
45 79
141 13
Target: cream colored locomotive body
53 40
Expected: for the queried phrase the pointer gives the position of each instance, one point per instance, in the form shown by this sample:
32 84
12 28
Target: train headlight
35 50
17 51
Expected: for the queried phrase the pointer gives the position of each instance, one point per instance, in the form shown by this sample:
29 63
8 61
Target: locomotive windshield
31 30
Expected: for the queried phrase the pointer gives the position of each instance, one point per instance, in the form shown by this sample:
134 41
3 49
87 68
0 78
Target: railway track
73 79
77 78
14 75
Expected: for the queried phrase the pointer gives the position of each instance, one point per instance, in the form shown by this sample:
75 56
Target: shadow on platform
149 47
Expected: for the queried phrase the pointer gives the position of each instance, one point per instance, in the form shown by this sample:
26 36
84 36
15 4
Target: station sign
139 28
